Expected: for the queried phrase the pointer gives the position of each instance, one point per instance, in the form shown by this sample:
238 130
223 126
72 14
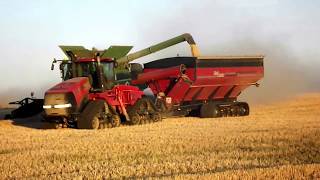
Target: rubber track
151 106
92 108
206 110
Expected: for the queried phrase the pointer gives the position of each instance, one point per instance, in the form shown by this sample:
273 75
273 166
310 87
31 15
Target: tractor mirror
52 65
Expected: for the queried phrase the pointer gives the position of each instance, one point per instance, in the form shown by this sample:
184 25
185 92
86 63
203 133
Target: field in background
276 141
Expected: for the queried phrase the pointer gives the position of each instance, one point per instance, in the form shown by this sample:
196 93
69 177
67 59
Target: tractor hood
77 87
71 85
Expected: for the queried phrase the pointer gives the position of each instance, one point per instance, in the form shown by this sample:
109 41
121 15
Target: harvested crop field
280 140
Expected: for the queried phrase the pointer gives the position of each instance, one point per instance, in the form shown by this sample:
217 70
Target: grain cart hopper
203 86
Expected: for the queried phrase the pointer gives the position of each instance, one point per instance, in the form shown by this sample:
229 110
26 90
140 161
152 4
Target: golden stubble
276 141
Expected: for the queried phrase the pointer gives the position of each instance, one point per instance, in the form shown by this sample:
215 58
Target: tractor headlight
57 106
60 106
47 106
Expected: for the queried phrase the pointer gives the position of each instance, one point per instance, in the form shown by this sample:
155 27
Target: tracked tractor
91 95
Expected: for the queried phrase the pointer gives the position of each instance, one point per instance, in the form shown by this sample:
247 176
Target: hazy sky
287 31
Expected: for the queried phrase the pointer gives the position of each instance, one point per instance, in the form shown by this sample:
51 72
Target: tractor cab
97 73
98 65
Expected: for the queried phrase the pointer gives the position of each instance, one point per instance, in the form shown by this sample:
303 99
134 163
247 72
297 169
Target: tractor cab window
108 72
89 70
66 71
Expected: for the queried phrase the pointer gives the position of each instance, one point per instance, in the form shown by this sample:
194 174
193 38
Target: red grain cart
205 86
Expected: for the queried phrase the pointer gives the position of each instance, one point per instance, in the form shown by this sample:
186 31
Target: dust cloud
284 77
285 73
18 93
291 55
284 32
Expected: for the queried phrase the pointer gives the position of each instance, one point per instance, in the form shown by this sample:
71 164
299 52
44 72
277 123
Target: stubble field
280 140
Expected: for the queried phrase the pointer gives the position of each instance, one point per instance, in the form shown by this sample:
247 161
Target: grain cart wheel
209 110
244 109
92 115
203 111
233 111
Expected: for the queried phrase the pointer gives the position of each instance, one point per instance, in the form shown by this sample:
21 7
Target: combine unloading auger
160 46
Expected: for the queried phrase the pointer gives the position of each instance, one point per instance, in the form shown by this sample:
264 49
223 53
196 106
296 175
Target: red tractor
94 94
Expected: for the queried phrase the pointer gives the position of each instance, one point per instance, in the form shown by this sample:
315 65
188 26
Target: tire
204 111
209 110
244 109
91 116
